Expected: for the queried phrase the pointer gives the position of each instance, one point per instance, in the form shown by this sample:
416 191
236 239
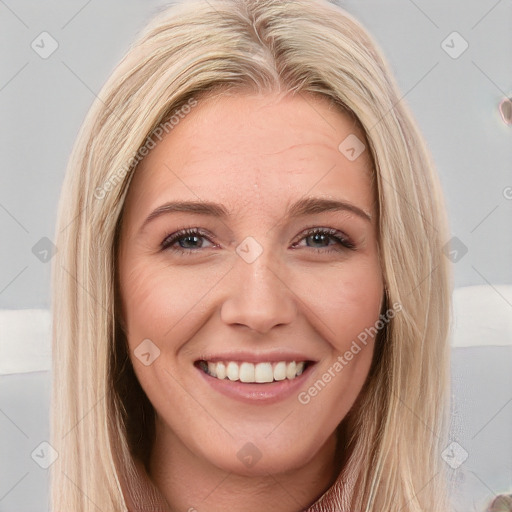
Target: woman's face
278 273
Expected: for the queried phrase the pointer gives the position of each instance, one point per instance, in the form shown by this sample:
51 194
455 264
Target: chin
261 456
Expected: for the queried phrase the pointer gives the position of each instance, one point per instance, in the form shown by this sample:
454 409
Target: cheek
161 303
346 311
353 309
345 300
143 301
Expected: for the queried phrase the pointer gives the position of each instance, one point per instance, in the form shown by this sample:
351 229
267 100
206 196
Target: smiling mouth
260 373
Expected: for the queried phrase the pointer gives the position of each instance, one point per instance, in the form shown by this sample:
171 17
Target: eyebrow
306 206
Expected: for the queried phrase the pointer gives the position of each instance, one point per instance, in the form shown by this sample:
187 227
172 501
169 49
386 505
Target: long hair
101 419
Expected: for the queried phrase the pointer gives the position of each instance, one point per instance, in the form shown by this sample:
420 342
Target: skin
255 155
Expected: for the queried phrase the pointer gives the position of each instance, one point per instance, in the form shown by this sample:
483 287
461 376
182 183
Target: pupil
189 238
319 238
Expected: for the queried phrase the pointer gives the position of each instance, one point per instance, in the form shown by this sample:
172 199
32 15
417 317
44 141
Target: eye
190 240
319 239
187 240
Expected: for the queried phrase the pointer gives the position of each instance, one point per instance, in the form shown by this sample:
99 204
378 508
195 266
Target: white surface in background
482 316
25 340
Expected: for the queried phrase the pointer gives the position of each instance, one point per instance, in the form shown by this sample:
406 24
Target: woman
251 300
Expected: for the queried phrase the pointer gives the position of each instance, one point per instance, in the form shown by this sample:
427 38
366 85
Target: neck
192 484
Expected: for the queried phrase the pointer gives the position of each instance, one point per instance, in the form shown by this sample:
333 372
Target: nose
259 296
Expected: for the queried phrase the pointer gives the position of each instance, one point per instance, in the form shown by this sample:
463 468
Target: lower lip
266 393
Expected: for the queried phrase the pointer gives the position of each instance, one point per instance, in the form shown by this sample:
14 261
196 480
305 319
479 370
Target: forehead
256 150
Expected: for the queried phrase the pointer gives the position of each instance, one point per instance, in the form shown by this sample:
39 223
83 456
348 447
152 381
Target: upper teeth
249 372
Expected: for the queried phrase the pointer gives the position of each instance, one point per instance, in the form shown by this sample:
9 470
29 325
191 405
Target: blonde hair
399 423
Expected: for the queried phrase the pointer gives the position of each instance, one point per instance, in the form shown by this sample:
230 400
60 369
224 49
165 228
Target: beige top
141 494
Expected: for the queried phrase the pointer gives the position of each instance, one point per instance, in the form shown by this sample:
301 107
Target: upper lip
257 357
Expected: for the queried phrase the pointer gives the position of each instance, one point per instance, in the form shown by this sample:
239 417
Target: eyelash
342 240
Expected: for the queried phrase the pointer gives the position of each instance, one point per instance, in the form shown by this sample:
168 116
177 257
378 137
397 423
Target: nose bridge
259 296
262 278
